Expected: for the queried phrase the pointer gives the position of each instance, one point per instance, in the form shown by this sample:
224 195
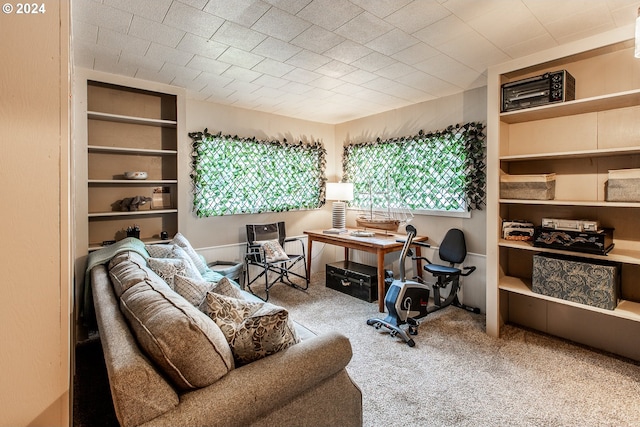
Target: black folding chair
265 250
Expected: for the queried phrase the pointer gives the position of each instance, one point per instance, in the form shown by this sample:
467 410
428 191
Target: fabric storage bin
529 187
623 185
585 281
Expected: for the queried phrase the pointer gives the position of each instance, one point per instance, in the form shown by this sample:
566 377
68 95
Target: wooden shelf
570 108
132 181
147 241
128 150
96 115
593 203
625 309
617 255
132 213
607 152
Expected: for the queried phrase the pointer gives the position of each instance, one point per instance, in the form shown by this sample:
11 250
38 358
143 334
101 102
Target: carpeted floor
456 375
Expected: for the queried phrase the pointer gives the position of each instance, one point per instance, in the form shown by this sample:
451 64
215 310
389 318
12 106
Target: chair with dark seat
265 252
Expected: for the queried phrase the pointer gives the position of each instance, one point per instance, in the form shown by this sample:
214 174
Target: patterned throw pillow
182 241
195 291
253 329
273 251
168 268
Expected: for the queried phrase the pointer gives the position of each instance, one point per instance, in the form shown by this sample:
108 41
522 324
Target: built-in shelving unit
130 129
579 141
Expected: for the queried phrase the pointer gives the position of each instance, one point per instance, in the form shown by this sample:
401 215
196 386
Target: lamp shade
342 191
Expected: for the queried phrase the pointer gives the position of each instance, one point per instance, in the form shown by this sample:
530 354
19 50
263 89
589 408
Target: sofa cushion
127 269
187 346
253 329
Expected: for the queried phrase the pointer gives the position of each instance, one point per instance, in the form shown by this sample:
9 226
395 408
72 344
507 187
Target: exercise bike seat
441 270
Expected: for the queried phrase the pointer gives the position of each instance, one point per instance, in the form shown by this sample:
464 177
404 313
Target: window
233 175
443 170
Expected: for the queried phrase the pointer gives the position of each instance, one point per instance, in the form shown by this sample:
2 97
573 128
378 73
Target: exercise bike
407 301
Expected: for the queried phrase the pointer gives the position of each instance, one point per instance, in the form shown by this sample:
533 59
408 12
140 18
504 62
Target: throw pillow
195 291
168 268
187 346
253 329
182 241
273 252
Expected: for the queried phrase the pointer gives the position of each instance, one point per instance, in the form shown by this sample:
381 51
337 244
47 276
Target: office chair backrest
264 232
453 248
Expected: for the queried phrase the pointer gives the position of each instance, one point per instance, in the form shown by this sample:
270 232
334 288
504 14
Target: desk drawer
357 280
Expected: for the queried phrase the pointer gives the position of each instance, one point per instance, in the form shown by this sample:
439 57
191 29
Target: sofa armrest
254 390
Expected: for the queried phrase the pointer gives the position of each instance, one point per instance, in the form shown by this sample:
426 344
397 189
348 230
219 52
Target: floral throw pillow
273 252
253 329
195 291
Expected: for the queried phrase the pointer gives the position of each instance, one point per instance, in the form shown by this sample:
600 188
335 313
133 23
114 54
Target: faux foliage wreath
234 175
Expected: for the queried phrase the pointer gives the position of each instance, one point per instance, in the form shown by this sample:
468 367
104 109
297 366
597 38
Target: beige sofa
305 384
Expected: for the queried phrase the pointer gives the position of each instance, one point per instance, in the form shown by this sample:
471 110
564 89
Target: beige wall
215 231
34 167
470 106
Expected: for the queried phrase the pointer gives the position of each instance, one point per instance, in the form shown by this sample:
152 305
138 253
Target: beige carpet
456 375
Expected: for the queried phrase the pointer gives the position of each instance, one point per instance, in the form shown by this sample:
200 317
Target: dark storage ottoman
357 280
585 281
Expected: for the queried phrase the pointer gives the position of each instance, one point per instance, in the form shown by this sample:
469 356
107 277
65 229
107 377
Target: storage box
623 185
599 242
585 281
352 278
529 187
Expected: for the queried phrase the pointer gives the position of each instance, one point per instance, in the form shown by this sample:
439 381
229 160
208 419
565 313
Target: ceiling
327 61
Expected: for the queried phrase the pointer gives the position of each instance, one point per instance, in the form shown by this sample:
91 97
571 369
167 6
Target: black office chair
265 250
453 250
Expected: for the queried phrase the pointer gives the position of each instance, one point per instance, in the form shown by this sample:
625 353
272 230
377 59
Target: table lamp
340 193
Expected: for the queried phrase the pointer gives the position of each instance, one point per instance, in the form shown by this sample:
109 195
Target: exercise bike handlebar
411 233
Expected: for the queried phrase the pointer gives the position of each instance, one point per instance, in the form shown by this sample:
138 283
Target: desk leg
309 244
381 295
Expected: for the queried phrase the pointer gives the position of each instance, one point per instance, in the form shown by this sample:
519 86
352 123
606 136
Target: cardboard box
528 187
585 281
623 185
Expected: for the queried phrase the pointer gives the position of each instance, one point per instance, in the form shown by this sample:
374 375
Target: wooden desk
380 244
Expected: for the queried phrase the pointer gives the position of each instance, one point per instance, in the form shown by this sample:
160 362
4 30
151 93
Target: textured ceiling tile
192 20
467 10
581 23
213 80
238 36
109 65
140 62
449 70
395 70
243 12
273 68
270 81
153 76
417 15
276 49
85 32
517 24
348 51
240 58
381 8
308 60
164 53
330 14
392 42
335 69
428 83
280 24
372 62
207 64
444 30
325 82
178 71
241 74
201 46
90 12
530 46
417 53
301 76
358 77
155 32
474 52
116 40
364 28
150 9
291 6
296 88
317 39
198 4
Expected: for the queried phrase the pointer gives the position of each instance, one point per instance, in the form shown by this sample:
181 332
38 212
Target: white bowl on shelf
136 175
